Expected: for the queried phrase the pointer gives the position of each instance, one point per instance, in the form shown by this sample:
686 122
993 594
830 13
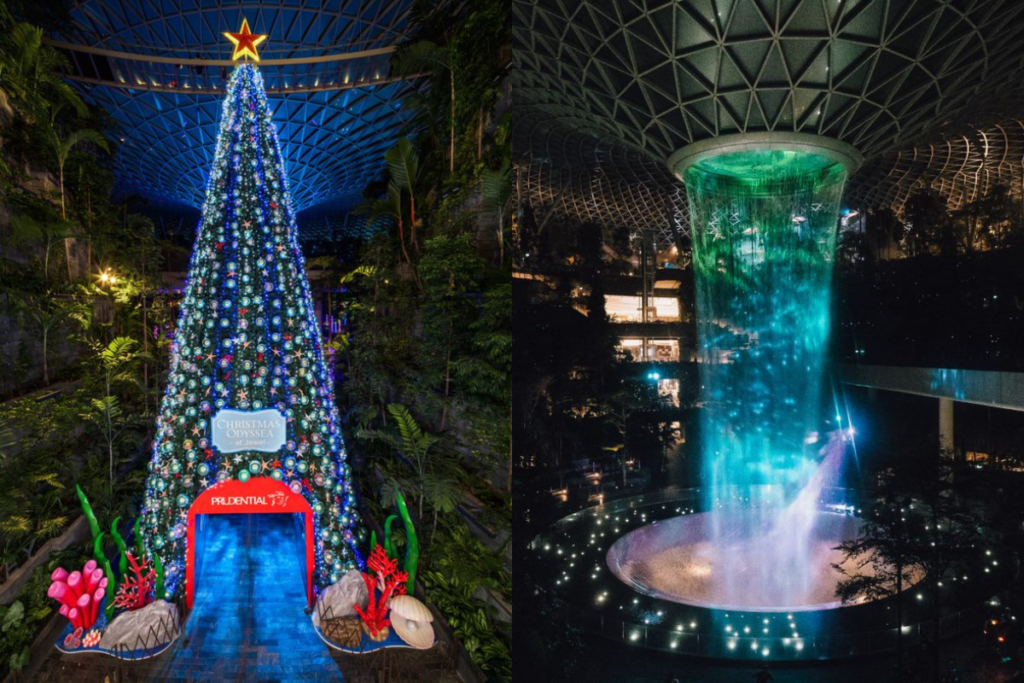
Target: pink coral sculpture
80 594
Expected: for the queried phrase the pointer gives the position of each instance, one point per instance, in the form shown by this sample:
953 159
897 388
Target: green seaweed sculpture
389 542
140 551
122 547
101 559
412 544
412 548
94 526
97 551
158 566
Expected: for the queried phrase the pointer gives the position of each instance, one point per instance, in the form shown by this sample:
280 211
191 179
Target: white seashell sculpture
419 634
410 608
411 620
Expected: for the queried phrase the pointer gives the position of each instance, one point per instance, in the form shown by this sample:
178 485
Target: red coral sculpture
374 616
388 581
133 592
385 568
79 594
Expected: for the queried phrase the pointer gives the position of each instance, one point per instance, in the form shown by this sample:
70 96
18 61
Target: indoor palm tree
62 143
425 56
30 73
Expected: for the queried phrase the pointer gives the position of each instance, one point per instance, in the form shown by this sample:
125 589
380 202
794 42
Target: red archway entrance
258 495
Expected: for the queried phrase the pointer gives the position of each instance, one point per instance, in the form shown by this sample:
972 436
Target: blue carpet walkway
248 621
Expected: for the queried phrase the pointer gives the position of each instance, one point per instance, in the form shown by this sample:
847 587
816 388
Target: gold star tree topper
245 42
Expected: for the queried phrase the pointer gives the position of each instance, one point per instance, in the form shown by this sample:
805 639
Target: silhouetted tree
919 528
930 225
883 228
854 250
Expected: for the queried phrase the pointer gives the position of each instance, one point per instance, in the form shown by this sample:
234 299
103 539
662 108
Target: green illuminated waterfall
764 233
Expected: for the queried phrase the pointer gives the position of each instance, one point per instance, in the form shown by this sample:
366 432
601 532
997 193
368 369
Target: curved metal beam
133 57
284 90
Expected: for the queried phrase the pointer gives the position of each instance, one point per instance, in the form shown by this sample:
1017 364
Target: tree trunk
447 377
412 220
501 236
451 136
46 367
63 212
401 239
480 136
67 256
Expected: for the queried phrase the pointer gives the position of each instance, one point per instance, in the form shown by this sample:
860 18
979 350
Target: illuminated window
664 350
658 350
668 389
621 308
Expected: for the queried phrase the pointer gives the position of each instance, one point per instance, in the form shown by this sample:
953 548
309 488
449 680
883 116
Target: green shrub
473 622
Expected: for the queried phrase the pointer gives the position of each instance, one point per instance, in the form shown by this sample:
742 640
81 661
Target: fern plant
117 360
435 475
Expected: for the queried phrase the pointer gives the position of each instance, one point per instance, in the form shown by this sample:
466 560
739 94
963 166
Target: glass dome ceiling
607 90
160 69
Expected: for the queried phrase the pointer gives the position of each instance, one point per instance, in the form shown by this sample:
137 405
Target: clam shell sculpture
419 634
411 620
410 608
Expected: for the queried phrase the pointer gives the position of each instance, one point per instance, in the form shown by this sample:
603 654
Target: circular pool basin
719 560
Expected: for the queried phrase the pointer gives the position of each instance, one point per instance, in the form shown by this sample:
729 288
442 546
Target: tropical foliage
77 408
427 355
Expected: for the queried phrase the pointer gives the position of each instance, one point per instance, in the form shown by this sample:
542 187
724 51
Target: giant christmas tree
248 341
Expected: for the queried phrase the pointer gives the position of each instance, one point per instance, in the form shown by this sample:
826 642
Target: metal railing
776 648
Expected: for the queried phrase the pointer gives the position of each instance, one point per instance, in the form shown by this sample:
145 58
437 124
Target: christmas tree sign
252 430
249 396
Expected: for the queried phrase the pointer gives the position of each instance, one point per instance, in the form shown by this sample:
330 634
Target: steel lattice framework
962 169
651 78
610 185
160 68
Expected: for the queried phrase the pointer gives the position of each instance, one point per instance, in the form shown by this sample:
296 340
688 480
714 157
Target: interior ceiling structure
160 68
897 79
963 168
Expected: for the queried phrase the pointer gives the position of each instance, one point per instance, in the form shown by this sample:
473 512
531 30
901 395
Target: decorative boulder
339 599
146 627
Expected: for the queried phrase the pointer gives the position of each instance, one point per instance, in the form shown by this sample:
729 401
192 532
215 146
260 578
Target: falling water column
763 215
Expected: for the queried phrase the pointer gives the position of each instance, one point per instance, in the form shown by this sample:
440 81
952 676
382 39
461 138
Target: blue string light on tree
247 339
